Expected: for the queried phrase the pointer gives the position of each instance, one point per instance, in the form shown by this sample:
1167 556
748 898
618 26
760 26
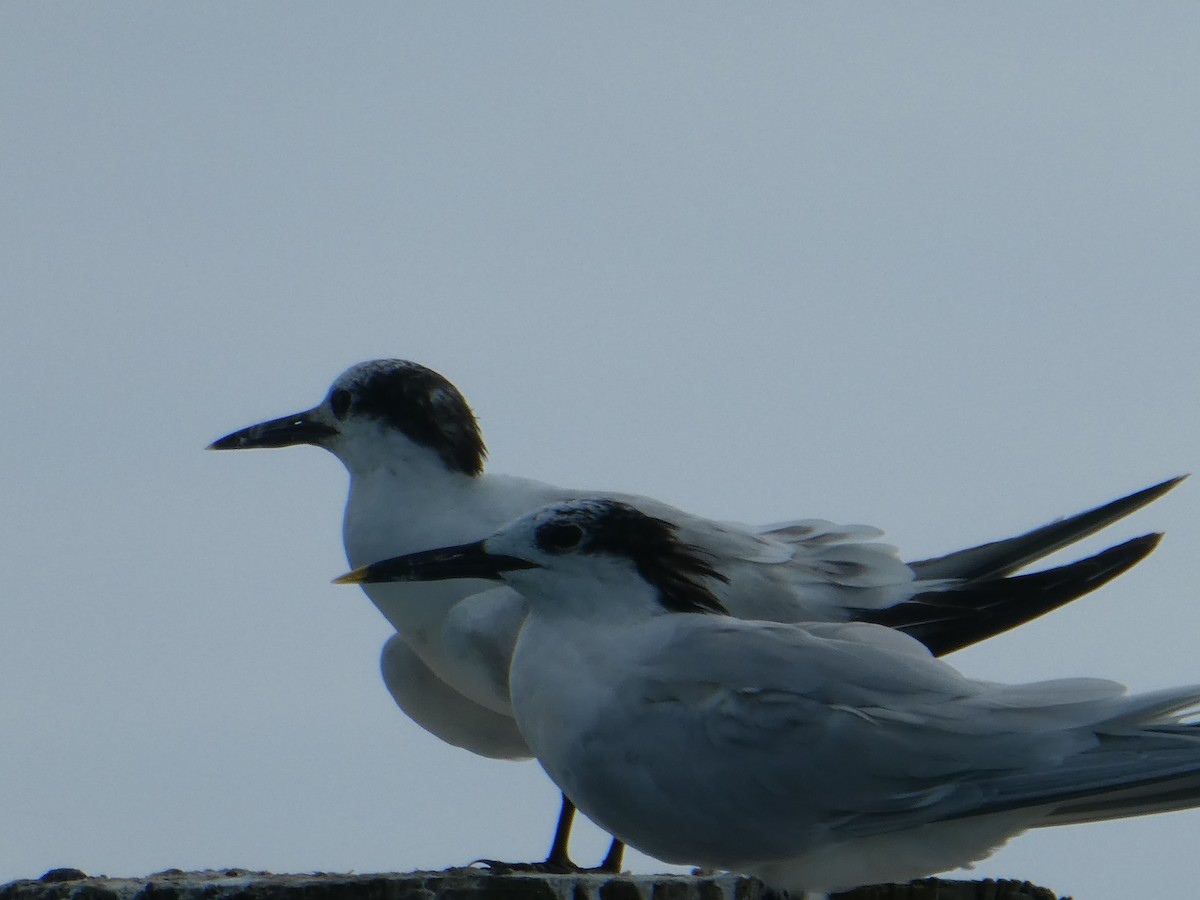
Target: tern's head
587 553
379 413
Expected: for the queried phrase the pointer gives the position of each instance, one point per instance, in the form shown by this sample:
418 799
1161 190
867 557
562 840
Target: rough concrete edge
468 884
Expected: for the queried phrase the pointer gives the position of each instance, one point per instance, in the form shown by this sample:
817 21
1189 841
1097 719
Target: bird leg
559 860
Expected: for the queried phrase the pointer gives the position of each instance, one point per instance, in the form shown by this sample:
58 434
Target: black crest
423 405
676 569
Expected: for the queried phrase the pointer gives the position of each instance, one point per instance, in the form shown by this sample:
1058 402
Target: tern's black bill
300 428
463 561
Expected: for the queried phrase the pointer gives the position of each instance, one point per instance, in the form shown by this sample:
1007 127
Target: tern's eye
559 537
339 403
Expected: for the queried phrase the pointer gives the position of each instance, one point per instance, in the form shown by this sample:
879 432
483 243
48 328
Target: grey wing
798 734
811 570
851 737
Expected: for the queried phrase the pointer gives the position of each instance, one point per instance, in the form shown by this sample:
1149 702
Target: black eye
559 537
339 402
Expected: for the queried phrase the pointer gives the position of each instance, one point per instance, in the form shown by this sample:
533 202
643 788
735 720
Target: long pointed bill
463 561
301 428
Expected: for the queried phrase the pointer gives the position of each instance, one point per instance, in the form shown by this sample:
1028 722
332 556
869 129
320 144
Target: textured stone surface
467 884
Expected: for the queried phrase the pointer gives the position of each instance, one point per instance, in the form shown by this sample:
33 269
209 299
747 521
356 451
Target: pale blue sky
931 267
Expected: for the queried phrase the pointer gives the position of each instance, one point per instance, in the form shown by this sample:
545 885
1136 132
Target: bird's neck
404 509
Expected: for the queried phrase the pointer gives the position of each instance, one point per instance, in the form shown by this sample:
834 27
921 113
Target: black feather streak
665 562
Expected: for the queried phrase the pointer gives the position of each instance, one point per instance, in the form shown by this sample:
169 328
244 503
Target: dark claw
610 866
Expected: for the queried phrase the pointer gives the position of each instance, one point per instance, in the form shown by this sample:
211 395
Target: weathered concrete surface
468 884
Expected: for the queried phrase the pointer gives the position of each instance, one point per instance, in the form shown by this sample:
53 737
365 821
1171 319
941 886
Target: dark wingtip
1123 506
1155 491
1123 557
1150 541
225 443
950 620
1003 557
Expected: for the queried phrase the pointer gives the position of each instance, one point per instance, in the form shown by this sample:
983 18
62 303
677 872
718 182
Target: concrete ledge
468 884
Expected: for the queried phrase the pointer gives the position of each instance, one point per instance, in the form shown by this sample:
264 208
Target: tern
415 455
817 756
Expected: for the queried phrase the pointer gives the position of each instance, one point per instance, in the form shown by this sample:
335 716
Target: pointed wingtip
1004 557
1153 539
1133 550
1162 487
233 441
1135 501
981 610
